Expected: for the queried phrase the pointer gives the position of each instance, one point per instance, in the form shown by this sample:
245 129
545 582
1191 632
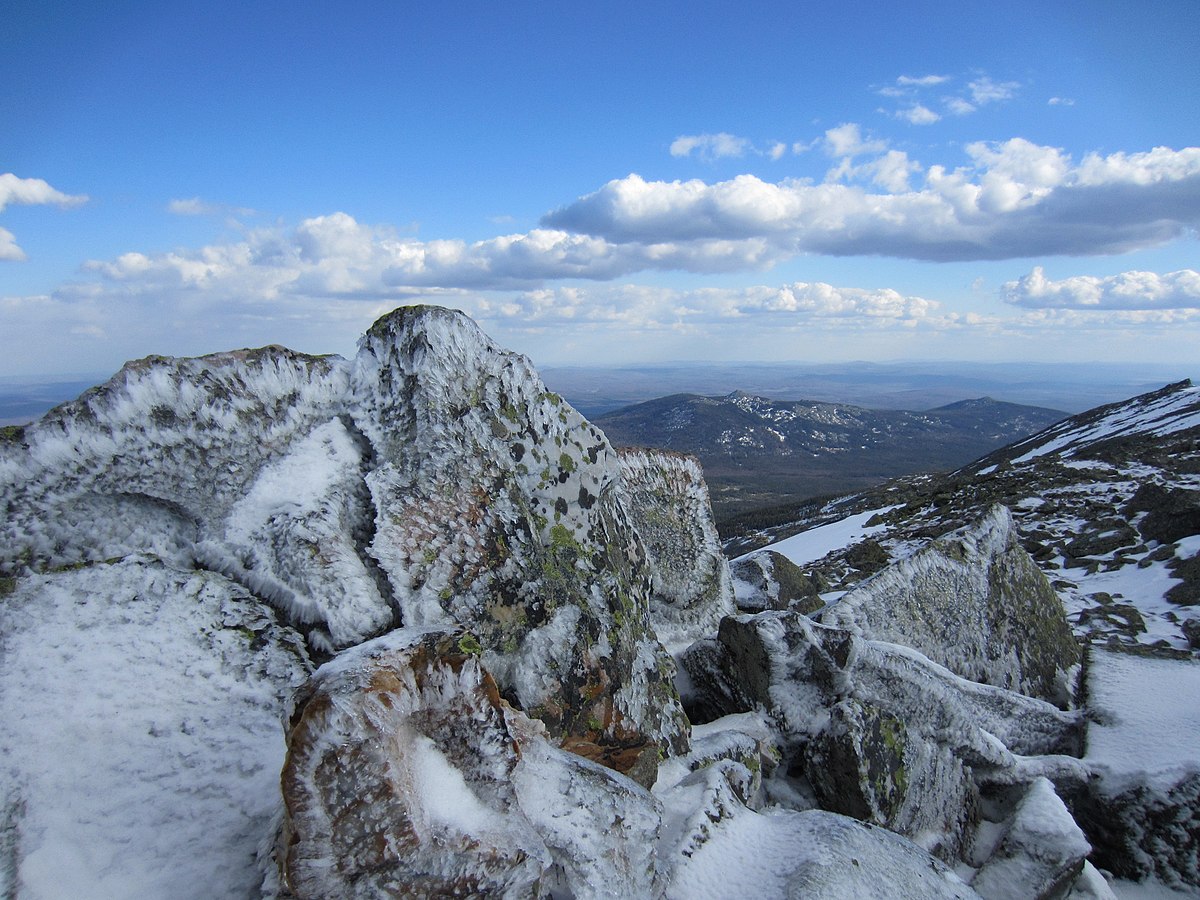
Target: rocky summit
407 625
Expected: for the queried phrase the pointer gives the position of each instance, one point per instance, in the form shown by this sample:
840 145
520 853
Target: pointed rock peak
426 336
440 354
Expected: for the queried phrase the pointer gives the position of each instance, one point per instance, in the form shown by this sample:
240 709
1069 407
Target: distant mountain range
758 452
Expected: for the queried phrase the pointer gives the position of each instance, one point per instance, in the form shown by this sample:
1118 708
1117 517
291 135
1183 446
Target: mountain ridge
804 448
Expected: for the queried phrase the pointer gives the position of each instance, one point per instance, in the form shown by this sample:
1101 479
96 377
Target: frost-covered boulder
769 580
975 602
140 748
431 480
240 460
884 733
784 854
1040 851
407 774
498 508
668 504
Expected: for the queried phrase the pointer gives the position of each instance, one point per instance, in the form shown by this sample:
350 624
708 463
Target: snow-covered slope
1107 504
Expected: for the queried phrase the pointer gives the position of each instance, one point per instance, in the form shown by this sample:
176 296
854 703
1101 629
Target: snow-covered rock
975 602
140 748
432 480
497 506
769 580
1040 852
884 733
786 854
1140 807
668 505
407 774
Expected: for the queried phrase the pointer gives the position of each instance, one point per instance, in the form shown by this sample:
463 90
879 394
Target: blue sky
619 182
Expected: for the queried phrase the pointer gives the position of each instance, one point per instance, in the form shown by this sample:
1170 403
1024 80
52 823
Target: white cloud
923 80
33 192
1015 199
985 90
846 140
644 307
918 115
28 192
1148 291
778 149
957 106
8 247
710 146
1060 101
194 206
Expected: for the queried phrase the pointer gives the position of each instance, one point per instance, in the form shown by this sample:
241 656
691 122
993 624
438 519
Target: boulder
141 748
881 732
499 508
431 480
1040 853
975 602
769 580
1170 513
407 774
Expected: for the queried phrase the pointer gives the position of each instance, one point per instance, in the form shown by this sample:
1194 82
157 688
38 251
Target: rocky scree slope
1107 506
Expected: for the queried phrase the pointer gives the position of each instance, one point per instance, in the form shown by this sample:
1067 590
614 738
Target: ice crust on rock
668 504
430 480
497 507
408 774
140 749
887 735
975 602
1041 852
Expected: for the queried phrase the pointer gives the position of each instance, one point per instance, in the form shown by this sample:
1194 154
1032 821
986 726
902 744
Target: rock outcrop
432 480
769 580
883 734
408 775
975 602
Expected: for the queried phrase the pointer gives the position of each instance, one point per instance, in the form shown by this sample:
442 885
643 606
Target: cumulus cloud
337 256
957 106
28 192
1147 291
643 307
1014 199
985 90
1060 101
846 140
918 115
923 80
710 146
33 191
8 246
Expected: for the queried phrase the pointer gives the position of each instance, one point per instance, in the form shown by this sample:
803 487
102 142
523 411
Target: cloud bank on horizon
840 238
